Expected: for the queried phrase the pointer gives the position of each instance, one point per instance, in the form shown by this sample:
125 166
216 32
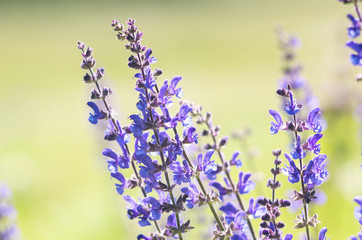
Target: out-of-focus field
226 52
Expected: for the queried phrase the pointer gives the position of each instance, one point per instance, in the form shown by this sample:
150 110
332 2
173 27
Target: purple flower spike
356 59
291 171
355 29
292 108
358 209
97 115
322 234
245 185
278 124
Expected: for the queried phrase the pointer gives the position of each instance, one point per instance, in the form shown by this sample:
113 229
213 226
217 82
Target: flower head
245 185
356 59
355 28
278 124
291 171
97 115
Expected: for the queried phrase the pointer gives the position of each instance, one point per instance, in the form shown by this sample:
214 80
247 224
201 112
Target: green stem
302 183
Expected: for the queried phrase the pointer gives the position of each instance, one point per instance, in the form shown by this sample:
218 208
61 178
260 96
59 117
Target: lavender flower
354 31
310 175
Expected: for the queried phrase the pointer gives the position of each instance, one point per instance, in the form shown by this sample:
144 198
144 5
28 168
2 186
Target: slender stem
273 197
231 181
357 10
302 183
211 206
275 178
126 146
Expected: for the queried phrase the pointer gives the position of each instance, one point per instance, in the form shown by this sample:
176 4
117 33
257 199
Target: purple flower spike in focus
278 124
355 29
356 59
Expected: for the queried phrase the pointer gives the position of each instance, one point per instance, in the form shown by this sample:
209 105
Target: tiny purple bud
81 45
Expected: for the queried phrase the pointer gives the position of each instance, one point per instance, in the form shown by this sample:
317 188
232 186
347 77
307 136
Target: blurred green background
228 55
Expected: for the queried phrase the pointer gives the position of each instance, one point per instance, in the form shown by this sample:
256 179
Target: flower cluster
309 174
158 148
155 147
8 228
354 31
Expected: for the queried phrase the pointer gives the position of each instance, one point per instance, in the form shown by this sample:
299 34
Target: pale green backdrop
226 52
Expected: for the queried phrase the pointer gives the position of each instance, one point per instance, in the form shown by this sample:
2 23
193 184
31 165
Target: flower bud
157 72
100 73
114 22
81 45
95 94
266 217
87 78
223 141
280 225
277 152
